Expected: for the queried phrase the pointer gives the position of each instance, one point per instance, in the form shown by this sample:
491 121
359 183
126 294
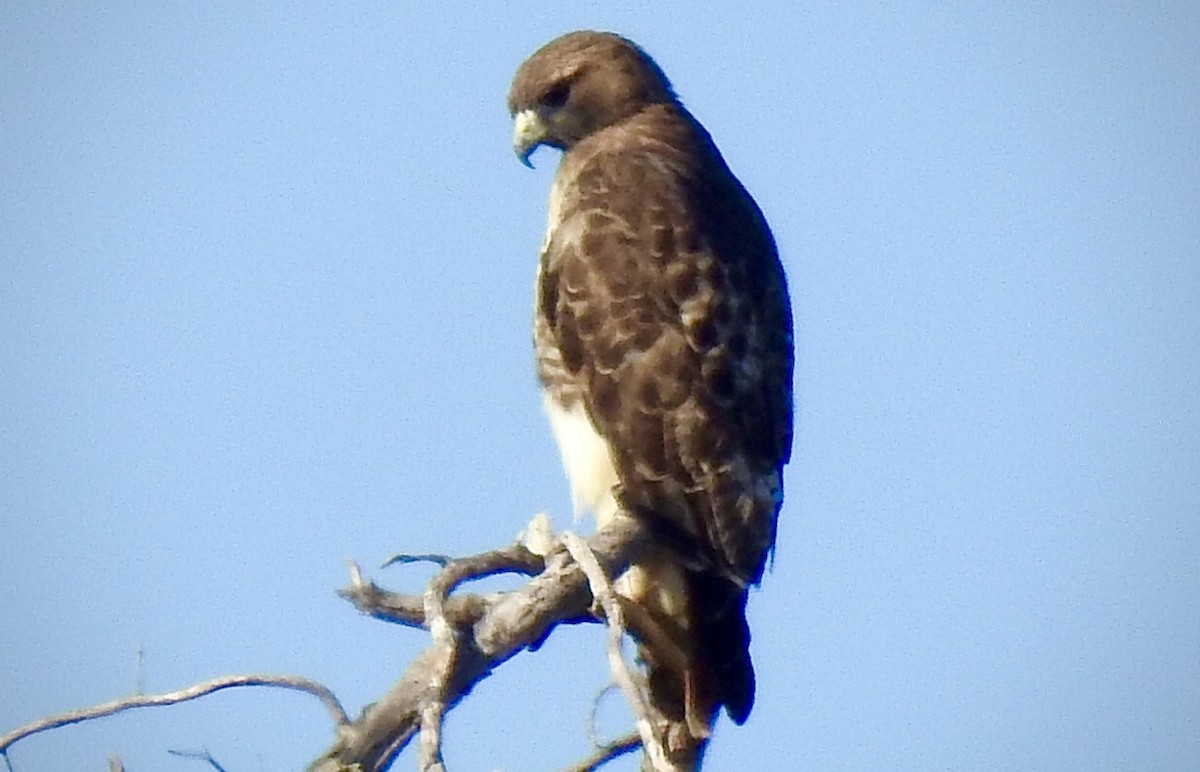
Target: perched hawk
664 348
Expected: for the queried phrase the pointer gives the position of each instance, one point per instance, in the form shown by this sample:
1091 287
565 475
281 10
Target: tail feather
723 640
716 667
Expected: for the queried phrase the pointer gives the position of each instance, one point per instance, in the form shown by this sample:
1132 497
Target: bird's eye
557 96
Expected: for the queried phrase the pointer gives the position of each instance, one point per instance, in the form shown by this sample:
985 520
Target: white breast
586 459
590 470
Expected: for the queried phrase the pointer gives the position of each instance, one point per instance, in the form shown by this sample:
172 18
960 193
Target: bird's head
578 84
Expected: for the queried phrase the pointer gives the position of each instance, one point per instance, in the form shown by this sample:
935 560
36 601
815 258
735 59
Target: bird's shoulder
654 152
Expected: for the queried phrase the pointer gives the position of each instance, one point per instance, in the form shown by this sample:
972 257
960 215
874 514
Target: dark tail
723 640
718 671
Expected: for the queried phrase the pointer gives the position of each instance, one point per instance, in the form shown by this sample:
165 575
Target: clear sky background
265 296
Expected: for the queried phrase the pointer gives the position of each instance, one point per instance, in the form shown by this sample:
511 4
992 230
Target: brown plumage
663 336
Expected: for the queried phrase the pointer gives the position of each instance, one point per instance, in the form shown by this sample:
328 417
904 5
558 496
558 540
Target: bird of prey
663 338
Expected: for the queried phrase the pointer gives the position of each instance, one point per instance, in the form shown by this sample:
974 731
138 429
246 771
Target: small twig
592 734
139 670
648 725
203 755
604 751
402 559
608 752
297 683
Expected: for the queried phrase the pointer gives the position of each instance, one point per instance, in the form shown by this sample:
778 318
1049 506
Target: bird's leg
660 634
666 644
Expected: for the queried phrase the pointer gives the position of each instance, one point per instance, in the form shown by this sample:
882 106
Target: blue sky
265 296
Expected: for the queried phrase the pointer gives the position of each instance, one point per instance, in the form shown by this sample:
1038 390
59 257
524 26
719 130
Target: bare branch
509 623
472 635
649 724
445 641
461 610
408 609
513 559
297 683
203 755
608 752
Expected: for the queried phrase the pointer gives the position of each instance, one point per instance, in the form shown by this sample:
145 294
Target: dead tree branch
472 634
486 631
297 683
650 723
608 752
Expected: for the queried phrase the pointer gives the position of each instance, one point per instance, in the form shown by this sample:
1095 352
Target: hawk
663 337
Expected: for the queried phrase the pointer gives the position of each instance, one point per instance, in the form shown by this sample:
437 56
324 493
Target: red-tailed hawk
663 335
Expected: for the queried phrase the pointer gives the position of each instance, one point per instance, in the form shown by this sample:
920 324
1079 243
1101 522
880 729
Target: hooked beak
529 131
